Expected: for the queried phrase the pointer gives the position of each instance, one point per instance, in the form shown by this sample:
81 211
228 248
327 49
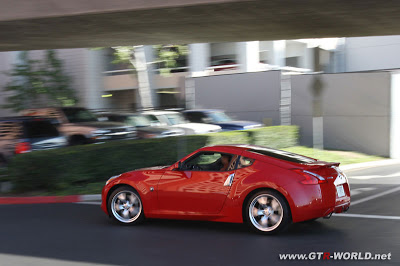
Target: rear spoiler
319 164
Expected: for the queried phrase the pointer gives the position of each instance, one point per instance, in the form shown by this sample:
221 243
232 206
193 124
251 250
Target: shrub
59 169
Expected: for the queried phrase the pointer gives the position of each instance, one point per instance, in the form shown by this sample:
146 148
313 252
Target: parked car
266 188
220 118
26 133
143 125
81 126
177 120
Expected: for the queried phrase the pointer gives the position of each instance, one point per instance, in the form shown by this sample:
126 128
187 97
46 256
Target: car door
199 187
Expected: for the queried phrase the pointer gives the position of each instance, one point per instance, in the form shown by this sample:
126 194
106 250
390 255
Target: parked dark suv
81 126
27 133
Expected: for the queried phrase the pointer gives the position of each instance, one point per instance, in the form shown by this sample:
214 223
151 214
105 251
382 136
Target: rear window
40 129
282 155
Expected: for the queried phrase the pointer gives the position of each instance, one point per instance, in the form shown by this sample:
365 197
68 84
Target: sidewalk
359 166
96 198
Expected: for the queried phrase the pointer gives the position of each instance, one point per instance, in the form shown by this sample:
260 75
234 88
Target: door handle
229 180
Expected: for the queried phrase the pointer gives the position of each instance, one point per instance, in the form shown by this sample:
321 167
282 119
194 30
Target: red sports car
266 188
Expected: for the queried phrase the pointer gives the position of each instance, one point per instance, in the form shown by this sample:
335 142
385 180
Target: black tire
267 212
128 211
77 140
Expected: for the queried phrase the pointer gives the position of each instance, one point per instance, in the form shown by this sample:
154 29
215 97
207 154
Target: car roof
159 112
121 114
261 150
21 118
203 110
232 147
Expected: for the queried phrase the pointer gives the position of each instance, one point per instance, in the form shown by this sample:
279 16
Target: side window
244 162
153 119
195 117
210 161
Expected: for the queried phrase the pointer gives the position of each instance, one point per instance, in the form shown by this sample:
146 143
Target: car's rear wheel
267 212
125 206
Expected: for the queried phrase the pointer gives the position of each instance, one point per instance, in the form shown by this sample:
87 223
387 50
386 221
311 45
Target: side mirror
179 165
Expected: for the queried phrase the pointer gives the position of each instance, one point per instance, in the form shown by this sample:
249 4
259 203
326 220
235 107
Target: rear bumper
337 209
319 201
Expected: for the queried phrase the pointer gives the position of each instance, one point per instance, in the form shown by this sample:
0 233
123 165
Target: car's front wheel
125 206
267 212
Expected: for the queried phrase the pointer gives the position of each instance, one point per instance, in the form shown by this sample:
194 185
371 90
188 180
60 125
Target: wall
248 96
372 53
356 111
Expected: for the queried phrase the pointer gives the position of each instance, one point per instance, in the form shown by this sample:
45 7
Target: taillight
22 147
310 178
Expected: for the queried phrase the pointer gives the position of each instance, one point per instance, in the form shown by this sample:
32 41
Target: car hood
238 123
100 124
159 129
198 128
153 168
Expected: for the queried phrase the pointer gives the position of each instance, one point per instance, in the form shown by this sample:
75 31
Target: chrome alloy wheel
126 206
265 212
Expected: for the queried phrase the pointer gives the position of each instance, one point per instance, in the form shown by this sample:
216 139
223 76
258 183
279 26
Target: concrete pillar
309 58
279 53
248 54
286 100
199 58
7 62
395 116
95 66
150 58
144 55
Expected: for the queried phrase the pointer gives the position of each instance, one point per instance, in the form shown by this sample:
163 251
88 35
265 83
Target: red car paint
201 195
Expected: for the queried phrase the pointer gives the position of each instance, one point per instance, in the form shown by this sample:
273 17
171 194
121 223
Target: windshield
139 121
175 119
218 117
77 115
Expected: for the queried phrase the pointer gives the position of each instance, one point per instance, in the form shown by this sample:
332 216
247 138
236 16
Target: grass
342 157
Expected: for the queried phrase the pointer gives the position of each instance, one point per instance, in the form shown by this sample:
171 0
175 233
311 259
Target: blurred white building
101 84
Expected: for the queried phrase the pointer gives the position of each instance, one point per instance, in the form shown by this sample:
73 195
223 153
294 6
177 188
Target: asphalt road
78 234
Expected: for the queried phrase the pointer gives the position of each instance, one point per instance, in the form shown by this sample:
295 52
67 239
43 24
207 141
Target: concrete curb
358 166
50 199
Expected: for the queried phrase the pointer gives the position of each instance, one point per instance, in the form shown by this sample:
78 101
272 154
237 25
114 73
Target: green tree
167 57
38 83
170 56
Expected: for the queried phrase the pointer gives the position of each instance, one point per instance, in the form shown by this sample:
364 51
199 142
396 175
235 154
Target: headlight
111 178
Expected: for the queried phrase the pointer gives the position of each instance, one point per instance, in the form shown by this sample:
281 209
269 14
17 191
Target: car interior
210 161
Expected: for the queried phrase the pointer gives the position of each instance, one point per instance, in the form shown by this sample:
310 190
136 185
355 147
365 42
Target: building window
292 61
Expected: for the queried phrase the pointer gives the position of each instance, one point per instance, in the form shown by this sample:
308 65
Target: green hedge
58 169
